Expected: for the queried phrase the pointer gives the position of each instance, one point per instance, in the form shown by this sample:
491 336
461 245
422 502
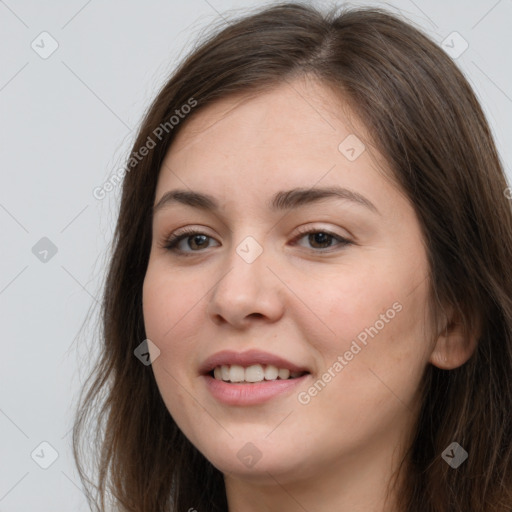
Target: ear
454 346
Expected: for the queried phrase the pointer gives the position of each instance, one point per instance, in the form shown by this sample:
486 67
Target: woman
312 252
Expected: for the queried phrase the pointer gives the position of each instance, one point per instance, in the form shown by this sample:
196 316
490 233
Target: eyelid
304 230
171 241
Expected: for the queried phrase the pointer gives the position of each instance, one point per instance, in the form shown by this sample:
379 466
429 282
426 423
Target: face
331 284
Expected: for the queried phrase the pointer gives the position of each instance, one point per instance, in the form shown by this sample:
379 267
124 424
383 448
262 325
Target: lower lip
250 394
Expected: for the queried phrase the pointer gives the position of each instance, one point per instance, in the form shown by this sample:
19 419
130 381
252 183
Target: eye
321 239
197 240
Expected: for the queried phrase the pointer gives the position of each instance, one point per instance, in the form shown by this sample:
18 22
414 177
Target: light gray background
66 124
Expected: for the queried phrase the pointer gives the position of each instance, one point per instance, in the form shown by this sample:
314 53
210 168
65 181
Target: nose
245 292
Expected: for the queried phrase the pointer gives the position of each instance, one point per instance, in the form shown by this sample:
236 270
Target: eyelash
174 239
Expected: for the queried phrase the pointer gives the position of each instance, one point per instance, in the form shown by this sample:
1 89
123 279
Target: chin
259 462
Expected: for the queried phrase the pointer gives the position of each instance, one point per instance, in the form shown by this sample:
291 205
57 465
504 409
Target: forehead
299 133
281 116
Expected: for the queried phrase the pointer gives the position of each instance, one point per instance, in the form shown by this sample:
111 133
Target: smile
253 373
251 377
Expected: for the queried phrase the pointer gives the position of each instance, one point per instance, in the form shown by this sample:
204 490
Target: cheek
169 305
349 301
167 316
370 384
376 323
168 323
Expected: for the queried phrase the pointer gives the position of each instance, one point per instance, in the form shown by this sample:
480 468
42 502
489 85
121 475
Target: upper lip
248 358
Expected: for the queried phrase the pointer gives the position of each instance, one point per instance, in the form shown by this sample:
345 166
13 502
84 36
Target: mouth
253 374
250 378
243 393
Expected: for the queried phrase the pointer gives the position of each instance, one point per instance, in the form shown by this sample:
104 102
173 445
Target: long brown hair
425 119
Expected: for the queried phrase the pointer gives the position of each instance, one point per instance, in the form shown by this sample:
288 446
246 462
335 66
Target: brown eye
321 239
192 241
195 241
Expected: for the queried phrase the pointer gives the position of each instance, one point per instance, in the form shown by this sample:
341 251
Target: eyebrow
284 200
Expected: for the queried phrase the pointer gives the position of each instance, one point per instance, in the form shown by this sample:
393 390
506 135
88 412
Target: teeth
253 373
271 372
284 373
236 373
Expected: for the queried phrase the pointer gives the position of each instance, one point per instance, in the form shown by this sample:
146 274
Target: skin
299 299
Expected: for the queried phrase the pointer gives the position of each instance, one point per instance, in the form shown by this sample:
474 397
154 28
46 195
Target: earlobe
454 346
